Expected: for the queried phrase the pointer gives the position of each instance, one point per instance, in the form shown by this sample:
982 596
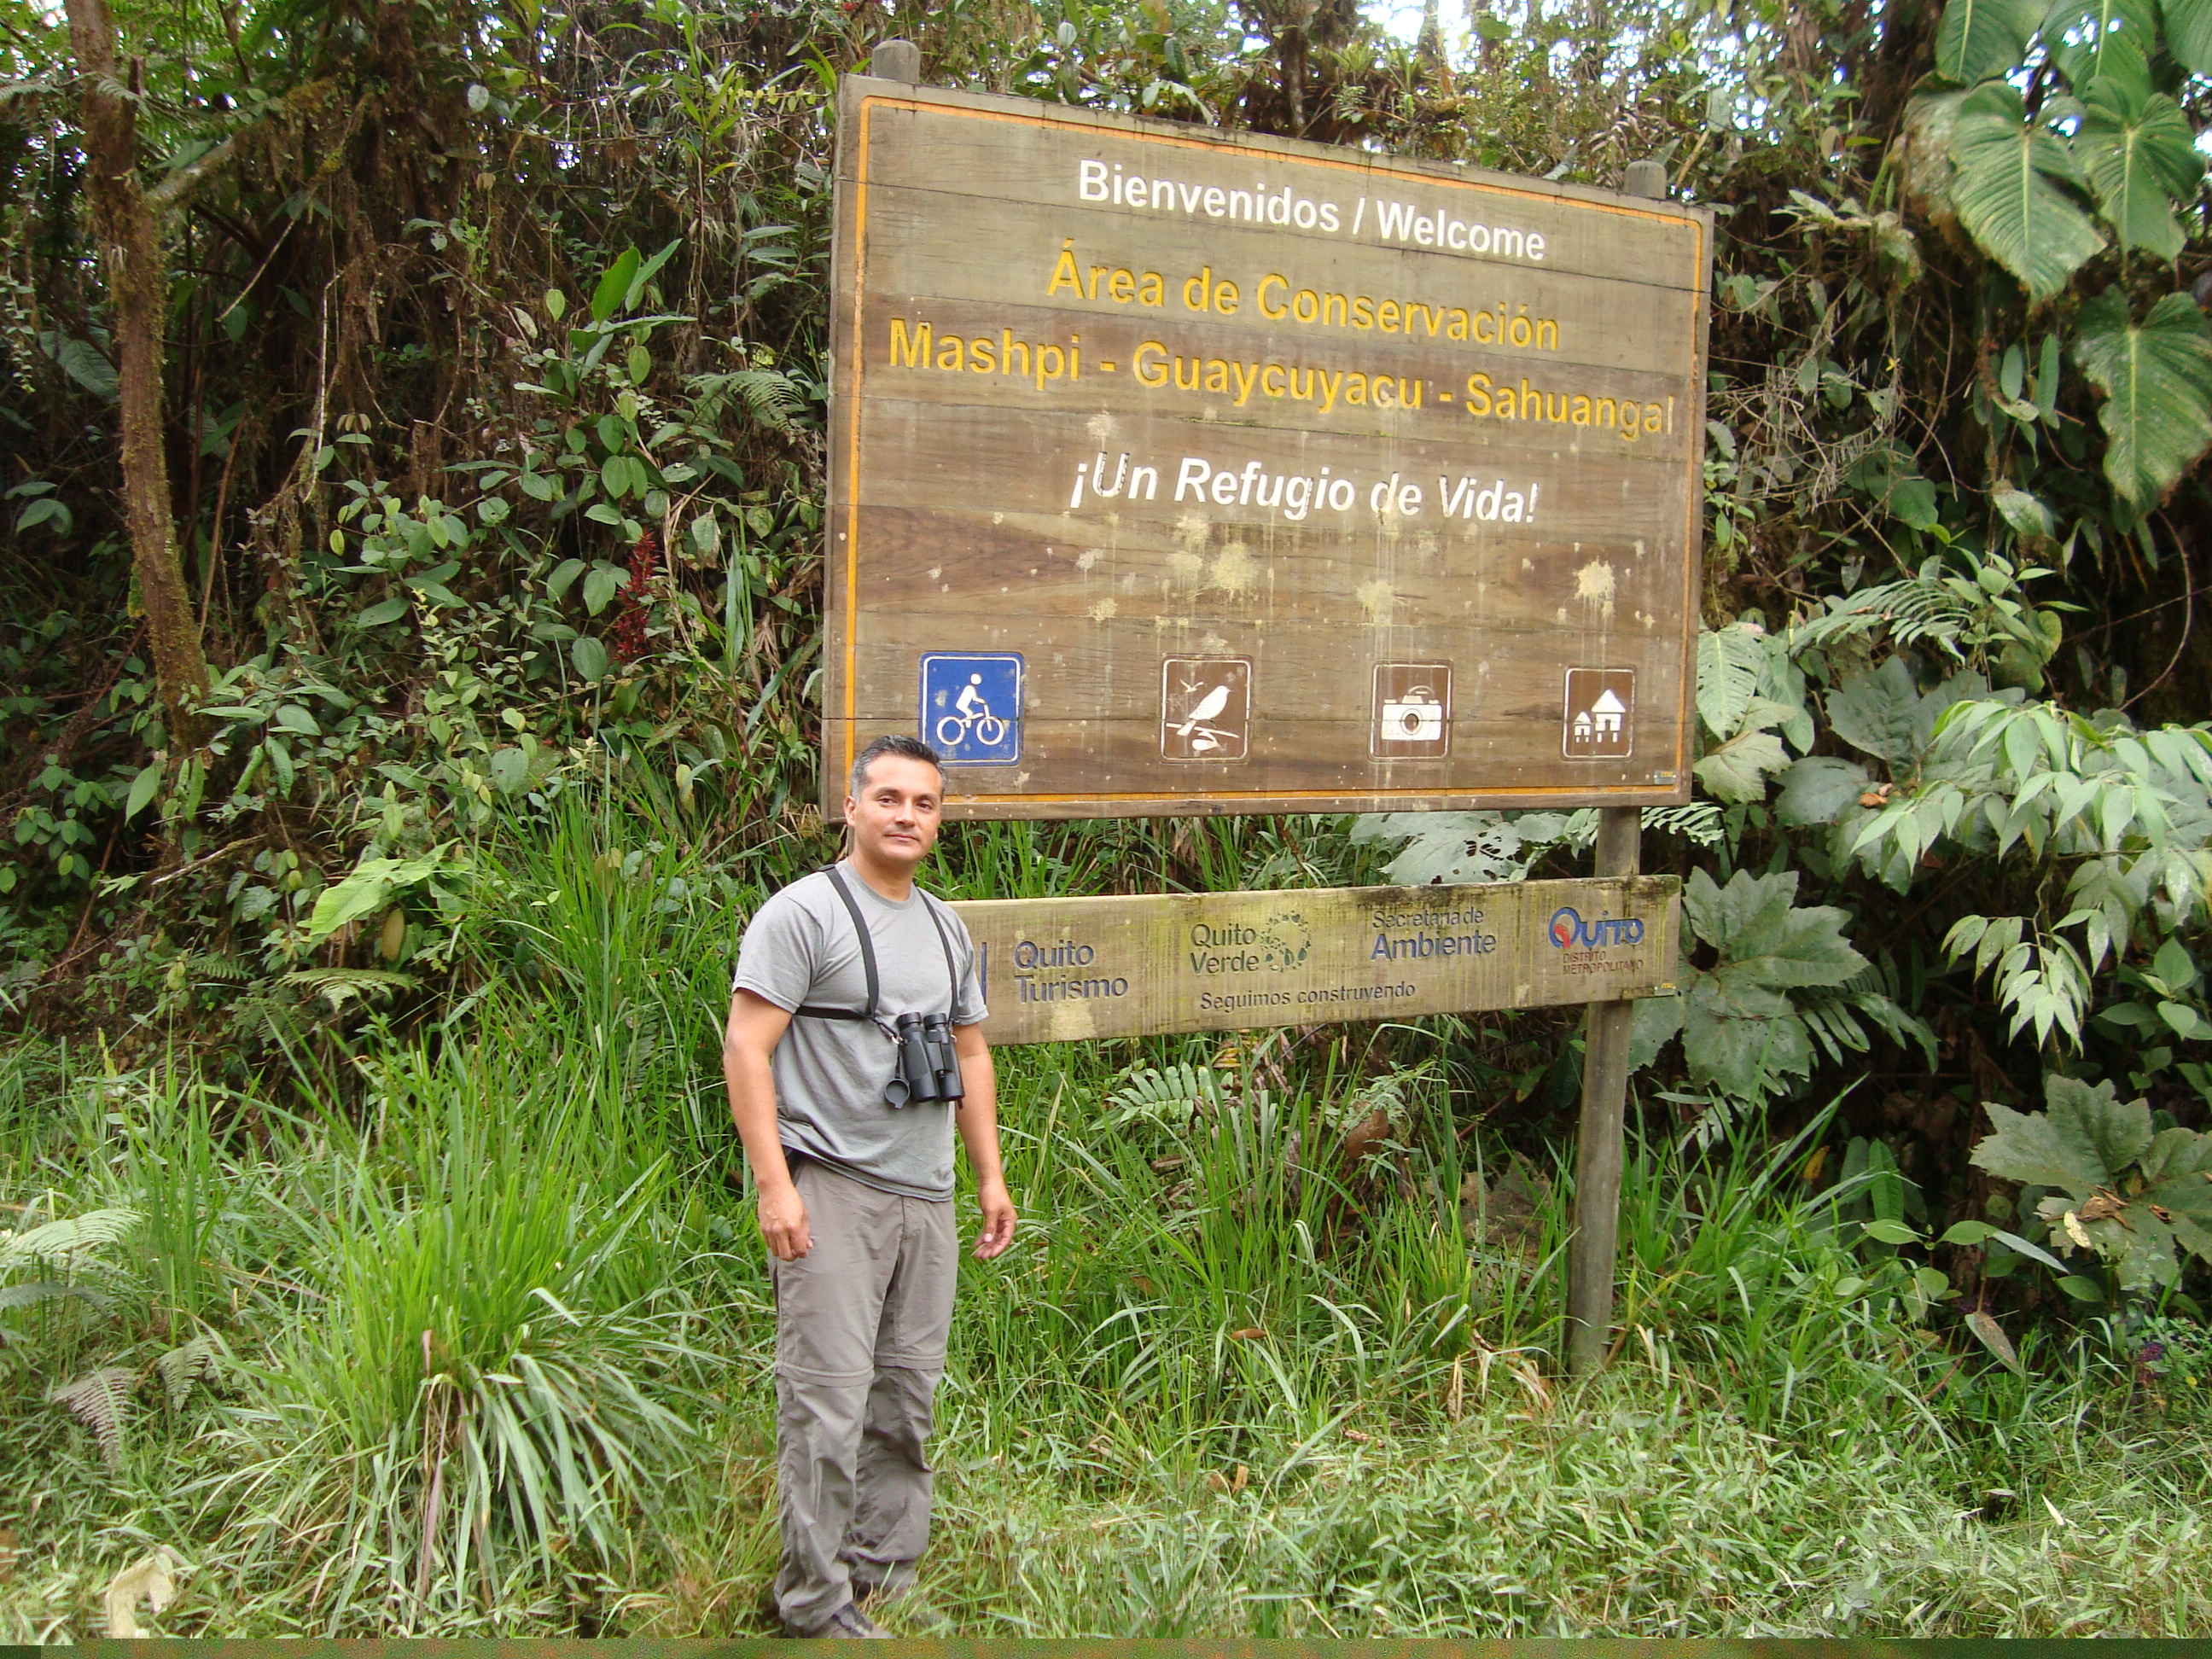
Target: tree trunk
128 225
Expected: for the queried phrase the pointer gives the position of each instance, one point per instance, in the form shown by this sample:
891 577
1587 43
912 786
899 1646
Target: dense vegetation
407 624
490 1352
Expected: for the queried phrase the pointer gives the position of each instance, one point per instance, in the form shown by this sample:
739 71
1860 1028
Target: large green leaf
2157 381
2176 1167
2118 1131
2114 62
2009 190
1764 938
1820 789
2026 1147
367 889
2101 39
1654 1025
83 362
1740 1031
614 285
1739 1040
1736 771
2143 157
1879 711
2089 1145
1447 847
1888 474
1729 664
2084 1140
588 655
2189 33
1981 38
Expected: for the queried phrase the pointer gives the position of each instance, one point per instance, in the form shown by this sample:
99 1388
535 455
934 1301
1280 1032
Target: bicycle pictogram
973 716
971 705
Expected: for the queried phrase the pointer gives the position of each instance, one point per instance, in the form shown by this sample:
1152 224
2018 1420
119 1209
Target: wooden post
894 59
1598 1151
1593 1252
1645 178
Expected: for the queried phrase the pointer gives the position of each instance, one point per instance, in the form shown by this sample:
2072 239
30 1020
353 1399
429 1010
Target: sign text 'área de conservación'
1174 472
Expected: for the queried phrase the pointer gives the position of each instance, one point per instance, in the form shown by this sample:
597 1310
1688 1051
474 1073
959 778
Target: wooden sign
1178 472
1055 970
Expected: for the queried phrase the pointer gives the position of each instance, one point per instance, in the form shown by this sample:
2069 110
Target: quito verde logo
1570 932
1275 946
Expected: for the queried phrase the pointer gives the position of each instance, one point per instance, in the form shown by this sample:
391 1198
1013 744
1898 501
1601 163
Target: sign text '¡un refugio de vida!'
1403 222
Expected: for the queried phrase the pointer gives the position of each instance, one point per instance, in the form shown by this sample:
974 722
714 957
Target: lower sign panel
1058 970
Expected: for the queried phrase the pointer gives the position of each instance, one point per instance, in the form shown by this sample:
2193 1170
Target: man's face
895 815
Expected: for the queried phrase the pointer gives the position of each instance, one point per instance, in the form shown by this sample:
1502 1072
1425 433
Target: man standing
856 1194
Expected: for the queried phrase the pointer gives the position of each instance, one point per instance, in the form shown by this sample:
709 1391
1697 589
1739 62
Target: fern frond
1833 1022
44 1290
768 395
100 1400
338 986
1700 822
207 965
1916 609
181 1367
1837 1016
57 1240
1170 1096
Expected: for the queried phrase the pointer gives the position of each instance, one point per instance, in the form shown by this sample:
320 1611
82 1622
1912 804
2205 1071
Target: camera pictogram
1412 710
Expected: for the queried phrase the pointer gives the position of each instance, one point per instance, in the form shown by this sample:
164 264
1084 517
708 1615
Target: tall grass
477 1335
497 1364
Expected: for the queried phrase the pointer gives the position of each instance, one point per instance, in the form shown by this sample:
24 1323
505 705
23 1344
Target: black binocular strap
868 955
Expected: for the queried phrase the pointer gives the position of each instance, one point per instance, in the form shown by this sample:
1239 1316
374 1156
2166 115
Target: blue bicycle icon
971 705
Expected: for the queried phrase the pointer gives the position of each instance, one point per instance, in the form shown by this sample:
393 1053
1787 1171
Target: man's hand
783 1222
998 1220
978 1120
756 1026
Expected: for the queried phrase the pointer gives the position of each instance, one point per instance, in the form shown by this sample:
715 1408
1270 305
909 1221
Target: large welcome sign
1059 970
1175 472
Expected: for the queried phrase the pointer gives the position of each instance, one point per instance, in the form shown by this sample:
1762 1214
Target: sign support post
1593 1253
894 59
1599 1153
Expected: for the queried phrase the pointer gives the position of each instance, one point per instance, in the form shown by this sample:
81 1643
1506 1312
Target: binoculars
928 1064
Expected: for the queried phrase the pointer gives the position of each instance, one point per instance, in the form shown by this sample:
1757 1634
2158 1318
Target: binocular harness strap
868 957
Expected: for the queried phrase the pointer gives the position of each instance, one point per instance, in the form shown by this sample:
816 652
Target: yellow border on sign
868 104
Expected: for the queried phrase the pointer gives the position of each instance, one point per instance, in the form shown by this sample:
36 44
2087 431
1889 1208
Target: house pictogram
1601 714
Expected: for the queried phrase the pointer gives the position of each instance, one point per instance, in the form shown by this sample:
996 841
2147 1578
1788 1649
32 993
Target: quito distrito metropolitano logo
1595 944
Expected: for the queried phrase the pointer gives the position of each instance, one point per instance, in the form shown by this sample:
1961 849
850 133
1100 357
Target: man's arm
756 1026
978 1118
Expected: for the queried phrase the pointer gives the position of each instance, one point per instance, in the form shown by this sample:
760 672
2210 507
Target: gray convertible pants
860 1325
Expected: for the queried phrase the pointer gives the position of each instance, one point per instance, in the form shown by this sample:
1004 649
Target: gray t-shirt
800 949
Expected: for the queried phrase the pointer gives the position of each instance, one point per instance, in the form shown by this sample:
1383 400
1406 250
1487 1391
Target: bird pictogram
1205 708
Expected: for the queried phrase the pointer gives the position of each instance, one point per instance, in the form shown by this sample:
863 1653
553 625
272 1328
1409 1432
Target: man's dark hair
896 742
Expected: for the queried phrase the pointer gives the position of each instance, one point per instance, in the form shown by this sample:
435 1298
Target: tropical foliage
409 589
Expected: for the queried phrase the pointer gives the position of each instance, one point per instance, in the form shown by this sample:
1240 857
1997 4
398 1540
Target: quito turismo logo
1571 932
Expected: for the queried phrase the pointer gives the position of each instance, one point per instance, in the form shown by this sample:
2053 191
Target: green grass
467 1332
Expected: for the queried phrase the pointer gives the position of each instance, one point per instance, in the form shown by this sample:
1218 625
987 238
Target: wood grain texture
1063 969
1150 450
1599 1154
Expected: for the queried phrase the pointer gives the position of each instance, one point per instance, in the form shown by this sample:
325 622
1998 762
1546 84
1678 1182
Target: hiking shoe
891 1586
848 1623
